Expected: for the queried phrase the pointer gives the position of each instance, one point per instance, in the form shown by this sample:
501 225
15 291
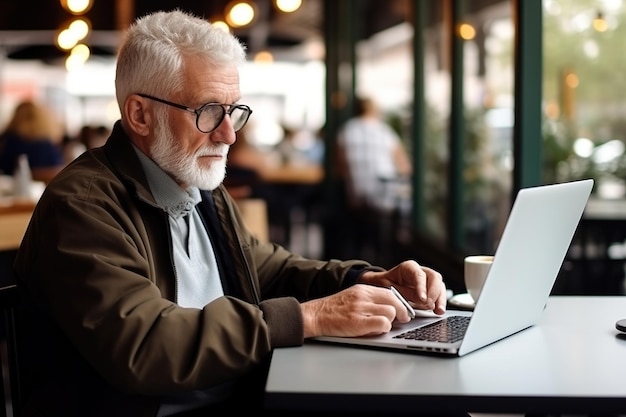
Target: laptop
533 245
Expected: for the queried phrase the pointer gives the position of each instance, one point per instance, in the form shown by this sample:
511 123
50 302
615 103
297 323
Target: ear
137 116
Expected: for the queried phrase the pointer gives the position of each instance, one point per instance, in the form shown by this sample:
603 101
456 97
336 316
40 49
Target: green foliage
557 148
597 58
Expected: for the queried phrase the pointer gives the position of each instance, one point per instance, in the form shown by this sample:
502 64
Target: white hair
152 52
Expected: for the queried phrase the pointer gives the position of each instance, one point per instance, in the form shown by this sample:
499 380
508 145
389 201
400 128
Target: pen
403 301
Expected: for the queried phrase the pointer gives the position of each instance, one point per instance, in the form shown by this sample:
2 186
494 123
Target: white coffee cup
476 269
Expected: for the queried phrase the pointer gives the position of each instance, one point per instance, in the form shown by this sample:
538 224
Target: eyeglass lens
213 114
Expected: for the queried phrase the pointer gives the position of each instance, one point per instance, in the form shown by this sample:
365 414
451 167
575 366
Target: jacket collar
124 160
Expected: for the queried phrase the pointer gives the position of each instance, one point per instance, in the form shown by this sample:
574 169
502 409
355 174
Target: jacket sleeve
277 272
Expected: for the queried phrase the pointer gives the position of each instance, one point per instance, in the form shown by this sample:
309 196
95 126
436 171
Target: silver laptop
529 256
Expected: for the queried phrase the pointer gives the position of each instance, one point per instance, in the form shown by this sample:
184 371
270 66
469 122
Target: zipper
255 292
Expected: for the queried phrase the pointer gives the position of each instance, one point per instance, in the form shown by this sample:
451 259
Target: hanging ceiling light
240 13
264 57
77 6
467 31
76 31
288 6
80 28
77 58
220 24
599 23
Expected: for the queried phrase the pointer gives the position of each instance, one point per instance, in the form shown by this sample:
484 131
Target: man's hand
356 311
421 286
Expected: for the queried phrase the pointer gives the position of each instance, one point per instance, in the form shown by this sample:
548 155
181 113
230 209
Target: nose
224 132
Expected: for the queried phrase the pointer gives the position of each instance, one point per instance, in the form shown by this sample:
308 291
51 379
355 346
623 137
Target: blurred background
486 96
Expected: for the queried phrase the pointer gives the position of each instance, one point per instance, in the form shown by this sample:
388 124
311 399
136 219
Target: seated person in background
88 137
96 136
299 147
376 170
32 131
370 154
147 296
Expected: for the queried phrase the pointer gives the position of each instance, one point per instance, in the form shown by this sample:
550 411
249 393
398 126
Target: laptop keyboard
449 329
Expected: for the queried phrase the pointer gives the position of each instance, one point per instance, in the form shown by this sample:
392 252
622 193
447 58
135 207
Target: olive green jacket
104 332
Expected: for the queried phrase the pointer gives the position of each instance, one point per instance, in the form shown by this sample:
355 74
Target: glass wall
488 114
384 71
583 107
474 49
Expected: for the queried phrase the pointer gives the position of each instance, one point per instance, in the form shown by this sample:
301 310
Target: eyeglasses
209 116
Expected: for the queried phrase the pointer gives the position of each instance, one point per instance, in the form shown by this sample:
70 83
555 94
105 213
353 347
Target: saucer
462 302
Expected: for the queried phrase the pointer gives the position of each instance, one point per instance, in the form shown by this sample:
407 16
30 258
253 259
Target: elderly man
145 294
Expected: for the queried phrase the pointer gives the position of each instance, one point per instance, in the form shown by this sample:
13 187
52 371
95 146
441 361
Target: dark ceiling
44 17
27 29
49 13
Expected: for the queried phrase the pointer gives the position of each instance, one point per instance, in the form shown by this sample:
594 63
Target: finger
419 291
388 310
386 303
375 301
420 282
375 320
440 303
374 325
436 288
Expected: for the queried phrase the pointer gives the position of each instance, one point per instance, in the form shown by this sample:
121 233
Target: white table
574 361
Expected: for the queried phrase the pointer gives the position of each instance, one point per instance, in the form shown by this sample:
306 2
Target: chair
254 213
9 301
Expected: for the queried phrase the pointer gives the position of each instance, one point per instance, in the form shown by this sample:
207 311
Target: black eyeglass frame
199 110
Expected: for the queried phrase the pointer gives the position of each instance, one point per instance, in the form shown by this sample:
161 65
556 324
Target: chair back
254 213
9 303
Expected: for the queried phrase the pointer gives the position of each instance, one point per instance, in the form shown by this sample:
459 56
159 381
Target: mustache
217 150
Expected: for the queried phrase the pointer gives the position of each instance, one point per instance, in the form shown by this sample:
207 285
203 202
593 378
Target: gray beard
167 152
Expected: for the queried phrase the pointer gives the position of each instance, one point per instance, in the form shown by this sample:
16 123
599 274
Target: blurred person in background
94 136
88 137
35 132
300 147
371 154
375 169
